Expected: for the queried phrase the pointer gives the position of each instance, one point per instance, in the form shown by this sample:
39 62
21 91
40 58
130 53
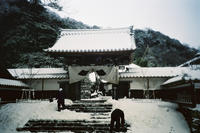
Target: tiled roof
186 76
9 82
132 66
124 68
152 72
94 40
195 60
38 73
134 72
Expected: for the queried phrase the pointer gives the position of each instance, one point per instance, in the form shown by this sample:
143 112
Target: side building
145 82
184 88
10 88
43 81
134 81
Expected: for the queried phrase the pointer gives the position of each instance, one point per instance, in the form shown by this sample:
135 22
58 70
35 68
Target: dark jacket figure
117 116
61 99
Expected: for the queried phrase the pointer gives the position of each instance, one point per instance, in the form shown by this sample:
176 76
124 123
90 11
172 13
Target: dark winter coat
117 116
60 97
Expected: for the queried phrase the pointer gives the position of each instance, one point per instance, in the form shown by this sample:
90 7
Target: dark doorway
123 89
72 91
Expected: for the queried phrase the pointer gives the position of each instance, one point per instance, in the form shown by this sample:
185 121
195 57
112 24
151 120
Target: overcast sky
179 19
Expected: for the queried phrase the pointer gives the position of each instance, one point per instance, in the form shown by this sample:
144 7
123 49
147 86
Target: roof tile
9 82
38 73
94 40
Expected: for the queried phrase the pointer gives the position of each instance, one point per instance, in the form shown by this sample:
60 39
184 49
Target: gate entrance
123 89
93 50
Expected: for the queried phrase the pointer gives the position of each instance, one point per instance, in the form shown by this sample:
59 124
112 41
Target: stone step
99 117
90 107
90 101
91 104
67 125
82 107
33 121
98 114
92 110
77 131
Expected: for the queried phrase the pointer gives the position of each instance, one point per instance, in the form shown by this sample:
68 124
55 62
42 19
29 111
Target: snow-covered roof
124 68
94 40
195 60
186 76
152 72
132 66
10 82
132 72
38 73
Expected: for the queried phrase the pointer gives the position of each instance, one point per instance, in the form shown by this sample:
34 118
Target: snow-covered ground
145 116
197 108
152 116
17 114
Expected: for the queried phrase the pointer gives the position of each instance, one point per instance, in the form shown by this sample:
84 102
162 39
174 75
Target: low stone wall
192 117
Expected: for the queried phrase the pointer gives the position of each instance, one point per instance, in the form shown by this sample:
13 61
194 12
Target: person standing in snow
61 99
117 116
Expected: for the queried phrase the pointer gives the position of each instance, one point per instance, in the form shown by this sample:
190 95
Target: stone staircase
99 121
76 126
90 106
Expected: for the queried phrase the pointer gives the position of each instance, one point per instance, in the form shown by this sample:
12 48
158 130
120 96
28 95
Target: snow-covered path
144 116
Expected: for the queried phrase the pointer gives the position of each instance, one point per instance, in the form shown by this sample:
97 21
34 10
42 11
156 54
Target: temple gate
101 51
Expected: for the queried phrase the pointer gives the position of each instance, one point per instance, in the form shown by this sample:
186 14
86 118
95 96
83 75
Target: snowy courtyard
153 116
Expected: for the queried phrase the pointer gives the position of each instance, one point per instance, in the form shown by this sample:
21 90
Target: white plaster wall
35 84
49 84
154 83
141 83
109 86
137 84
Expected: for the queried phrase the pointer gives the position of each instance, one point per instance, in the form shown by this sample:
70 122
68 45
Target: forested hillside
157 49
28 28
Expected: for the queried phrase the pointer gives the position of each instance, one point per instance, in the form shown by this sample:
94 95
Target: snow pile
152 116
17 114
197 108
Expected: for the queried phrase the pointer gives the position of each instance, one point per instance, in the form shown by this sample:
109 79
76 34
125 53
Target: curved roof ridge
72 32
103 29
